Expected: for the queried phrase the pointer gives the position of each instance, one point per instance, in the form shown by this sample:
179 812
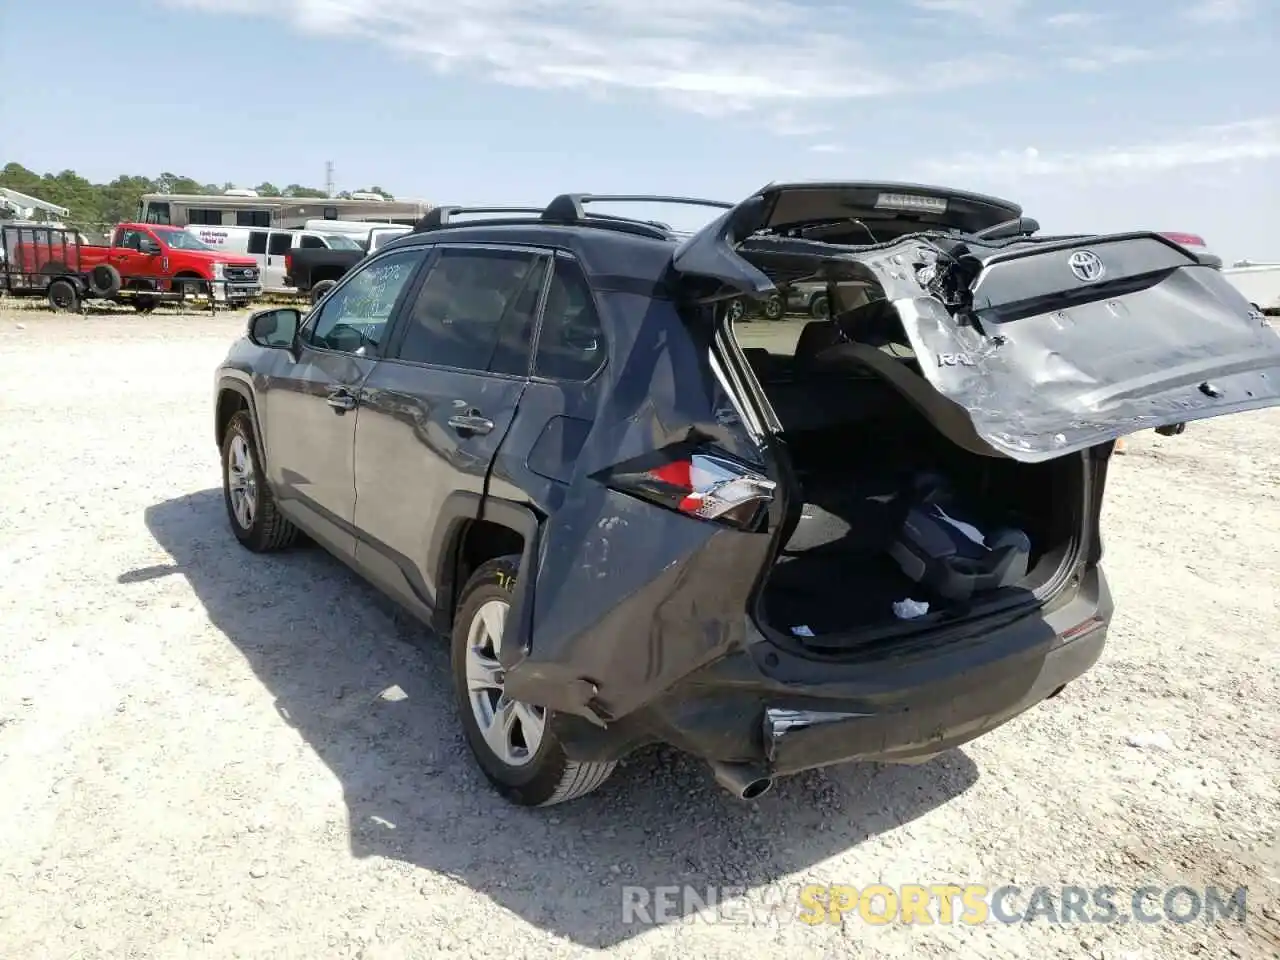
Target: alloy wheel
513 731
242 481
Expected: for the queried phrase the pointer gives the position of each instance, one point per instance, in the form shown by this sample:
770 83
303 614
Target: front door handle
470 423
340 401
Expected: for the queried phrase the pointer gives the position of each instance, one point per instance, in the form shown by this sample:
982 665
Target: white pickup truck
1259 282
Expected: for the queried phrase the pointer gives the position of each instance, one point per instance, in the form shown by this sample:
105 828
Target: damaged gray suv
870 535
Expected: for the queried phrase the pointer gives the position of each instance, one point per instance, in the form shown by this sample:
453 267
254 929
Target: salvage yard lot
209 753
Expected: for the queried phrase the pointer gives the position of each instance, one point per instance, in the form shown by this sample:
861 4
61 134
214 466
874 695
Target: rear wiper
1018 227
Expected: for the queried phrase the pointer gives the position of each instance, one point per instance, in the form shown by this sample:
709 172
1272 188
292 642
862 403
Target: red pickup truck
146 261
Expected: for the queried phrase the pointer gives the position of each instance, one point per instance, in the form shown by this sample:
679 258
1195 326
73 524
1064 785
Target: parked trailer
141 265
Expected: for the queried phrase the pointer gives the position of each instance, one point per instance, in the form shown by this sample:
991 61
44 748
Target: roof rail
570 207
614 218
439 216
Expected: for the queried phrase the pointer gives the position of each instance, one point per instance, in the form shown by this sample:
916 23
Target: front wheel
775 308
512 742
189 287
255 519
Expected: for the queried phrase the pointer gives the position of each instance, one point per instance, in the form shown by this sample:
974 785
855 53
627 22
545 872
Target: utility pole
328 178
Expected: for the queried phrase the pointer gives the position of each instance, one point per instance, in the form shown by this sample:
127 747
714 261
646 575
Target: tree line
99 205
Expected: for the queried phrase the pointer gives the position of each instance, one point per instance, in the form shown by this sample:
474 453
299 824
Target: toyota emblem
1086 266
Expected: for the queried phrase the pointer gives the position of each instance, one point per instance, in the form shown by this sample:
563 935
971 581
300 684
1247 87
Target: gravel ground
206 753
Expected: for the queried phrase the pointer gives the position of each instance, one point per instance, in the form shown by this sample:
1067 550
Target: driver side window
356 315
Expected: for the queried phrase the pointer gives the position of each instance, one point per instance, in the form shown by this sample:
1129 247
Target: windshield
339 242
181 240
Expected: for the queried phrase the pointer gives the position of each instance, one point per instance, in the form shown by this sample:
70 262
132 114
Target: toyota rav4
873 535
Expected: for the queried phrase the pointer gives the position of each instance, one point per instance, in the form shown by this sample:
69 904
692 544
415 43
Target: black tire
736 311
820 307
775 308
104 281
144 304
320 289
548 777
267 529
63 296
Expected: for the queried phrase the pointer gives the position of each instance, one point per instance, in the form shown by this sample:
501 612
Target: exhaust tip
744 781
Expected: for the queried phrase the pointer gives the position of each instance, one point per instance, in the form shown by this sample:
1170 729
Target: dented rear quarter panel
629 597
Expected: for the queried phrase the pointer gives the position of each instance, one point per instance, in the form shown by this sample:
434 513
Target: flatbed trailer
57 264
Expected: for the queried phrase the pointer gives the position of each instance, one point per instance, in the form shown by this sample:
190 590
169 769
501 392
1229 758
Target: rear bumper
783 713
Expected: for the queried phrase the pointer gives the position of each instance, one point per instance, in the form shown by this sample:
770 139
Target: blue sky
1156 114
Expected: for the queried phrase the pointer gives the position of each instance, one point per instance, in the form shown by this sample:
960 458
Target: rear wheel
512 742
775 308
736 311
251 508
63 296
820 307
321 288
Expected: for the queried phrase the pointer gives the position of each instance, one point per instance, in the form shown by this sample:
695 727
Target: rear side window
475 311
280 244
257 243
571 343
311 243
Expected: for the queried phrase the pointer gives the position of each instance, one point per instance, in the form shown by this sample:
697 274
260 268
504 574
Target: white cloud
1250 140
1219 11
826 148
787 123
1073 18
998 11
710 56
1099 58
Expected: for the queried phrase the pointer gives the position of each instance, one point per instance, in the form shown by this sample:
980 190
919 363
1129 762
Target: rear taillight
288 264
703 484
1185 239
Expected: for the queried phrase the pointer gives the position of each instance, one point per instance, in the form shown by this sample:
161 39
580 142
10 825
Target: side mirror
277 328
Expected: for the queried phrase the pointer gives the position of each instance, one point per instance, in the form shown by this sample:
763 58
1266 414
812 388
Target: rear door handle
341 400
470 423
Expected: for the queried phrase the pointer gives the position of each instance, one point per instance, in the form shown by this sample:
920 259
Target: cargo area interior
893 509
